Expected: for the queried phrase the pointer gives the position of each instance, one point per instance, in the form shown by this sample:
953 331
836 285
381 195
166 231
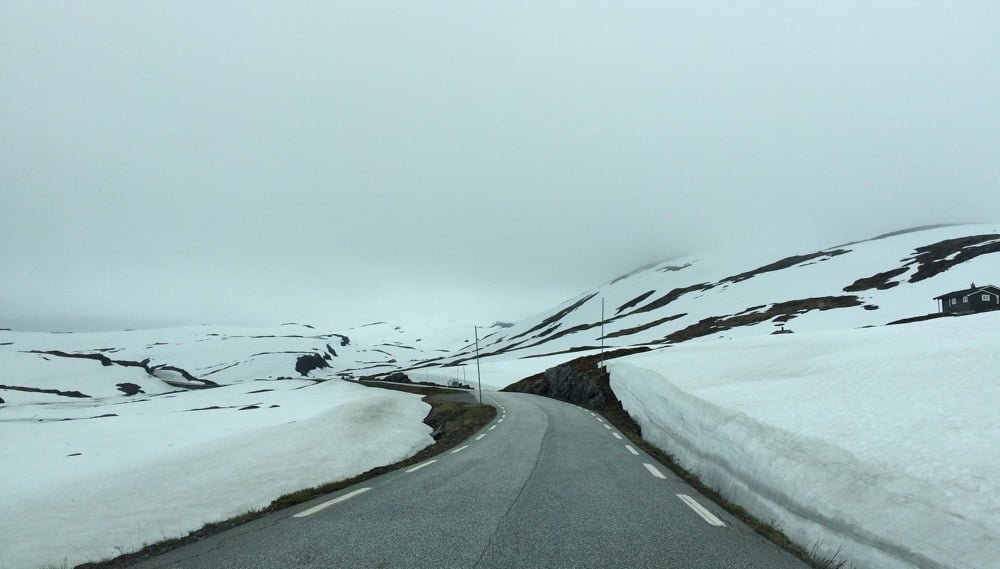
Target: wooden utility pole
479 375
601 365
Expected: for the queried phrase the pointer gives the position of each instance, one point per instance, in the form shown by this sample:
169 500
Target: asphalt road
547 484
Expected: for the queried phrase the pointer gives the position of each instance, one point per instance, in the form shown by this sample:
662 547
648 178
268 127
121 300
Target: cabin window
954 301
986 297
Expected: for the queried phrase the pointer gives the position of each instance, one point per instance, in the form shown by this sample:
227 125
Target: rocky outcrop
579 381
144 364
309 362
75 394
129 388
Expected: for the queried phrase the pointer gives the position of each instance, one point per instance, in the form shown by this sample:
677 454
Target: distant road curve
546 484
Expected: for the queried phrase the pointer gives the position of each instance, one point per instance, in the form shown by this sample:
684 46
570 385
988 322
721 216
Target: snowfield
86 479
882 442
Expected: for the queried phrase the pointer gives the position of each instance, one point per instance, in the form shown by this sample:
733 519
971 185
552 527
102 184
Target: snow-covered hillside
743 293
859 417
152 433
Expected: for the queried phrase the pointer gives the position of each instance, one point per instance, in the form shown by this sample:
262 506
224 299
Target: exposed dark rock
567 331
785 263
632 272
879 281
331 351
900 232
646 326
557 316
571 350
673 268
635 301
344 340
941 256
397 377
924 317
672 296
781 312
105 360
308 362
548 331
578 381
129 388
104 416
184 373
144 364
76 394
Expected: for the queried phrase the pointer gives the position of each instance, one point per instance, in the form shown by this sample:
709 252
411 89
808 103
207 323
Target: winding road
546 484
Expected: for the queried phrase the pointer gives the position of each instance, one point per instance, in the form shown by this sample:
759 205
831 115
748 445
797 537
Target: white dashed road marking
329 503
617 436
419 466
632 450
654 471
460 449
709 517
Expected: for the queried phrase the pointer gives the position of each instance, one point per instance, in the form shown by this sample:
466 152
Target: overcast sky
344 162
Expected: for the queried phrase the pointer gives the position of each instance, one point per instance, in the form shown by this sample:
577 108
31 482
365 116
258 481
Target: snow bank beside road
77 488
883 442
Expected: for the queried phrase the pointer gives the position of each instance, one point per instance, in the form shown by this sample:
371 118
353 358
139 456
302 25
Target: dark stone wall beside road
578 381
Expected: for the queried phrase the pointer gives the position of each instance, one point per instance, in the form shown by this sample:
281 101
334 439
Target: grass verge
455 416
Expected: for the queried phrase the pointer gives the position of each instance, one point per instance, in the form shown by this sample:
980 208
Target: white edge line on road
654 471
617 436
329 503
608 427
480 437
701 511
493 427
501 420
632 450
419 466
460 449
599 419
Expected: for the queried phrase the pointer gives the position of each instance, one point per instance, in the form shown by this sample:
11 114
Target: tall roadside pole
479 375
601 365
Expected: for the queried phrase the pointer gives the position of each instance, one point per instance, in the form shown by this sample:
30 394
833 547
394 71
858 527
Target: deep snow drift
884 442
88 478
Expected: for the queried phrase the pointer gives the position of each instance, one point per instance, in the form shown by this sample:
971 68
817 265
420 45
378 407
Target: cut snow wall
818 495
